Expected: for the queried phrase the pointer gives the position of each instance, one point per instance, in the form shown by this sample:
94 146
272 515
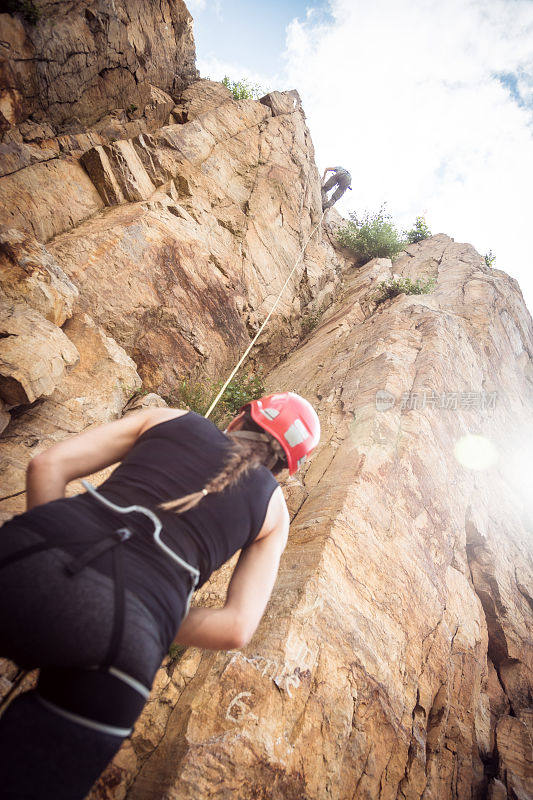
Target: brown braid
245 455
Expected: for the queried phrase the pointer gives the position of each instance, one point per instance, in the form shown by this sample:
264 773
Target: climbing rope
259 332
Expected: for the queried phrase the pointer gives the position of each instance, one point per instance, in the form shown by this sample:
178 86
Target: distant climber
341 178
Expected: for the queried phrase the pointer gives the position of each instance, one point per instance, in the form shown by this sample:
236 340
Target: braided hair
251 448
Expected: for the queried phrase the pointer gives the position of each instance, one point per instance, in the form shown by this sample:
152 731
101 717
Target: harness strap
111 540
104 700
119 608
50 544
193 571
75 565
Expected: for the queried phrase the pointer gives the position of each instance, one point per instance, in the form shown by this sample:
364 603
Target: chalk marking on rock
238 703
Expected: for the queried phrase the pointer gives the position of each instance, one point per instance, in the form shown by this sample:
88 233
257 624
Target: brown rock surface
29 273
48 198
201 97
514 742
4 416
149 400
34 354
81 59
182 279
370 673
282 102
95 391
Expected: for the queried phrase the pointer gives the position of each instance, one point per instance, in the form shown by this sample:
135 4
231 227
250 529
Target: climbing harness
259 332
192 570
103 697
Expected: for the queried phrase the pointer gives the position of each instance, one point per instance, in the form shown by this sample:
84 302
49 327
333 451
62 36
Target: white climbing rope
259 332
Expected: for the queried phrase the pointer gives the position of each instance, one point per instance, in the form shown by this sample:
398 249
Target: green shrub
243 90
139 393
310 320
198 395
419 232
395 286
25 7
490 258
131 108
241 390
371 236
175 651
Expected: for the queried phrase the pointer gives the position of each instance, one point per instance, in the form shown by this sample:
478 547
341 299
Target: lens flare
475 452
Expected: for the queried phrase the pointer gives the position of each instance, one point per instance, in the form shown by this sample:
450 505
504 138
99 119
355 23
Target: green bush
395 286
372 235
198 395
25 7
175 651
310 320
139 393
419 232
490 258
243 90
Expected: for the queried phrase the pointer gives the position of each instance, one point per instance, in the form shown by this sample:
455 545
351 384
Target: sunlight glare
474 451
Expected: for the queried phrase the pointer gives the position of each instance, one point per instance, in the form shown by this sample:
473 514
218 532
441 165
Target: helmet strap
262 437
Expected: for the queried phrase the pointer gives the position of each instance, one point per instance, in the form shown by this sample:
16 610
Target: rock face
94 391
395 657
203 222
78 61
34 355
143 247
29 274
173 237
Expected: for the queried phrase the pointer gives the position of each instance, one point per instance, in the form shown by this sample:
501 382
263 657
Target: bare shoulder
277 518
153 416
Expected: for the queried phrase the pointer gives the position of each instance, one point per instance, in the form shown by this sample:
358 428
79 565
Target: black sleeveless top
169 460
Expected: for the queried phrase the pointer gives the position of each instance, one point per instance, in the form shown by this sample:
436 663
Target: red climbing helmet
291 420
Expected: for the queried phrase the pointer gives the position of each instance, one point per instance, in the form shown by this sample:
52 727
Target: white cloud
196 5
404 93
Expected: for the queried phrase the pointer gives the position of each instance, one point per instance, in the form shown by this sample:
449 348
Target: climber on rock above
341 178
96 587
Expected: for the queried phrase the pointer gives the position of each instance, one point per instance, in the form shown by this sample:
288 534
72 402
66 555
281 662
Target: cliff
395 657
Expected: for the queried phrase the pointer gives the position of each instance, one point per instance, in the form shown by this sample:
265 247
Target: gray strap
87 723
133 682
194 571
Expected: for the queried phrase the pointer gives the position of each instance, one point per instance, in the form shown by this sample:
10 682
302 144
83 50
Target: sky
428 103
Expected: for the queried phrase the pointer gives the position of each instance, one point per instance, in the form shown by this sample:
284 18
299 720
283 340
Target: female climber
96 587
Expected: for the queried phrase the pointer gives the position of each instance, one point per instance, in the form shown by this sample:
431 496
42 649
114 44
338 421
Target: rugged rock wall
395 657
77 61
174 242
